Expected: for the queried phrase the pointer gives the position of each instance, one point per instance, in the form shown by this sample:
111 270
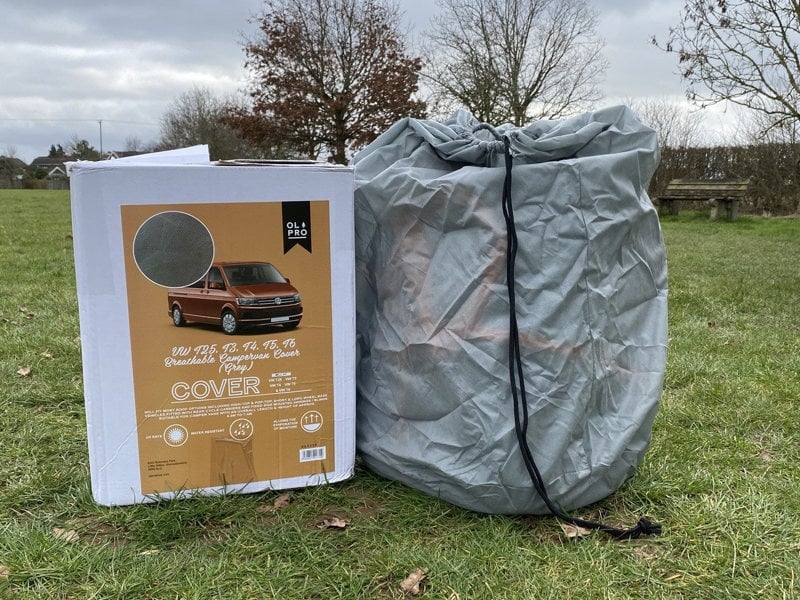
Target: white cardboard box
174 404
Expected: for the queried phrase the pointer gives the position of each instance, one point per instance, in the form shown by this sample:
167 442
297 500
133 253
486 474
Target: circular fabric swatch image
173 249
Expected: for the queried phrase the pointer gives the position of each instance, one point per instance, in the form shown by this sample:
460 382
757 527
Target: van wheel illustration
177 316
229 322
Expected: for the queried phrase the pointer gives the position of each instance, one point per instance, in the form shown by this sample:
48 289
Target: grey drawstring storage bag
511 308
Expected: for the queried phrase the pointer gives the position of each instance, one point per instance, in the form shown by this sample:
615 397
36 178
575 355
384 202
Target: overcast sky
79 67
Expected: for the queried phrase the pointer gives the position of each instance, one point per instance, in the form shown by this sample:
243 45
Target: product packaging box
217 324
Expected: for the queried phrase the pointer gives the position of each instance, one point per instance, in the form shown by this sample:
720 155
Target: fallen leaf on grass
411 584
68 535
26 312
333 523
646 552
283 500
47 354
280 502
713 324
150 552
24 371
92 529
573 531
549 538
5 572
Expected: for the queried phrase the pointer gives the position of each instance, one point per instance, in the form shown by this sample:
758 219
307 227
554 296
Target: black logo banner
296 225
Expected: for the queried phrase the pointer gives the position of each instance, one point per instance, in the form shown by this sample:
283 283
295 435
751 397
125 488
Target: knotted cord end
643 527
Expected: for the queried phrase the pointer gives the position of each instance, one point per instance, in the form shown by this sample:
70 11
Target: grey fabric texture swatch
173 249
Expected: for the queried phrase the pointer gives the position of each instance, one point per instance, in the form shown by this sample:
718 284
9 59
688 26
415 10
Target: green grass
721 475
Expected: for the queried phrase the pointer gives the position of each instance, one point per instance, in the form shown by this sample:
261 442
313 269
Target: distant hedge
773 168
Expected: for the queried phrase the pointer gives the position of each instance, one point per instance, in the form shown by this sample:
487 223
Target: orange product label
231 341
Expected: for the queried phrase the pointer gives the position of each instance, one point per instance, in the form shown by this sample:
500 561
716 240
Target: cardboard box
217 324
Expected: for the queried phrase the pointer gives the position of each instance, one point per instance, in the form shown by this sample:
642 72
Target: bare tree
742 51
195 117
678 128
677 125
516 60
133 143
761 128
773 154
327 76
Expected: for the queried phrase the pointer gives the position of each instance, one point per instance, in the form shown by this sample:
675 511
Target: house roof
120 154
49 162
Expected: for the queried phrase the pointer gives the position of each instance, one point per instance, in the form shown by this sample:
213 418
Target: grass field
721 475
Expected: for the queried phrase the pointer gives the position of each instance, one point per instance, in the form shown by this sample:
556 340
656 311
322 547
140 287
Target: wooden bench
725 193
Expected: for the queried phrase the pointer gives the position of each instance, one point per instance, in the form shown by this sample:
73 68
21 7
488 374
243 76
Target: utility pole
100 122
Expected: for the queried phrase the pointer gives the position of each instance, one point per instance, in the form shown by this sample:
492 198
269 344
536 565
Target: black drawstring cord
644 526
